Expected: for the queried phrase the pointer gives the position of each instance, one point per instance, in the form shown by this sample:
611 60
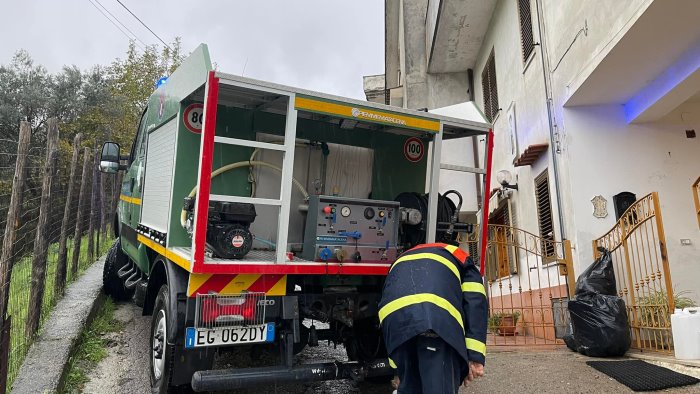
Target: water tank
685 325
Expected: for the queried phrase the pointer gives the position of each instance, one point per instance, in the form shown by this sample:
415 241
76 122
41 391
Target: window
138 148
488 84
527 41
696 195
544 217
502 256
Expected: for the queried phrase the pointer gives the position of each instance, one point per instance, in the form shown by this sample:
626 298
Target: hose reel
414 214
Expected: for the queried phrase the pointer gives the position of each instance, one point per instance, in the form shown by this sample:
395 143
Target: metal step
126 271
133 280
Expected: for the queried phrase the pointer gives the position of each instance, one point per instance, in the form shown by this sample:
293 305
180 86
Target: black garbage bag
598 317
600 326
599 278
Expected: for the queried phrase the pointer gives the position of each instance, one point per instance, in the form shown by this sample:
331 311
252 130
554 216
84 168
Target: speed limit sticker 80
193 117
413 149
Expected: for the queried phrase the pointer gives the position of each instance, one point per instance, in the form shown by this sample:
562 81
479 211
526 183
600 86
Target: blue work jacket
435 287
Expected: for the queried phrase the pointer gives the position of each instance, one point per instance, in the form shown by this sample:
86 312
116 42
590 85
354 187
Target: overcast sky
323 45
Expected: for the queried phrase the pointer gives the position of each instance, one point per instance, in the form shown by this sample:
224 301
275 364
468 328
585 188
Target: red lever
327 210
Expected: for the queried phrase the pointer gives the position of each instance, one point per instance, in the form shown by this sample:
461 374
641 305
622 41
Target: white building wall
597 151
520 86
603 155
612 156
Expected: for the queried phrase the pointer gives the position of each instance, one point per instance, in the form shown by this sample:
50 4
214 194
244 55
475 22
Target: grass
92 348
20 288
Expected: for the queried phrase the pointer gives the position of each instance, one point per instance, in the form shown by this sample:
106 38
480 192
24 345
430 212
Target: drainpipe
552 133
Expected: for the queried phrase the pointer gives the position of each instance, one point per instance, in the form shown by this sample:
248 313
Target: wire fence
54 223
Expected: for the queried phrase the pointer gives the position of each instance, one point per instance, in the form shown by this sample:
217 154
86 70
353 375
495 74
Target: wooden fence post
98 214
62 265
5 353
41 243
103 203
77 238
13 215
91 216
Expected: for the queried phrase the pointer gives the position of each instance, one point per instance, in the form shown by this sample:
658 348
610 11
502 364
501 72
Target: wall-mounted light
505 177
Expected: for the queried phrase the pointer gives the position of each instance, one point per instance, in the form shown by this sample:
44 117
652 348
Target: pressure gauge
345 211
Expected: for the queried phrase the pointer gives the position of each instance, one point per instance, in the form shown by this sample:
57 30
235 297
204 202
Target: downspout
552 133
475 143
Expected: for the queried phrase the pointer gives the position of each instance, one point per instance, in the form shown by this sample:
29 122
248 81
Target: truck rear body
272 205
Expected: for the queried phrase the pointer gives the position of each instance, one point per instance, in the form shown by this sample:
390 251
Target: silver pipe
548 94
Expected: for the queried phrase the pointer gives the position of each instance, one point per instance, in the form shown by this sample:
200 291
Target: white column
290 134
434 187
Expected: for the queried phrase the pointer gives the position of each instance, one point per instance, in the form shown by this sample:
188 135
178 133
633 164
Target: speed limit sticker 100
193 117
413 149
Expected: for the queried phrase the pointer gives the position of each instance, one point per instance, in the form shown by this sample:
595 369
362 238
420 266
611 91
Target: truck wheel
367 344
112 284
161 352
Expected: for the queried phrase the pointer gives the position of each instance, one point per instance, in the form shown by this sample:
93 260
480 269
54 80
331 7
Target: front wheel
161 352
112 284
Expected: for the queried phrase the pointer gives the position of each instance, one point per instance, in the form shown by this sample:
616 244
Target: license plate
199 337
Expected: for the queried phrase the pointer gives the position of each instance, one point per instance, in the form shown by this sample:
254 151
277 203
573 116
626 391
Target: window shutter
490 91
486 92
544 217
527 41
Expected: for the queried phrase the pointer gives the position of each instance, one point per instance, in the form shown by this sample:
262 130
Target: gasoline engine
228 227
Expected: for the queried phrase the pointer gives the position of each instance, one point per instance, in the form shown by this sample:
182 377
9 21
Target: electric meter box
347 230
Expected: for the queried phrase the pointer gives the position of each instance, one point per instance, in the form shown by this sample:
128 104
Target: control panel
351 230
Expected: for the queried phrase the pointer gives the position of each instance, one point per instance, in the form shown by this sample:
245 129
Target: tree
133 80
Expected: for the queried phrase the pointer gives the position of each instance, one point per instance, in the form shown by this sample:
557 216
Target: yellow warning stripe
392 364
413 299
365 114
279 289
130 200
476 346
172 256
429 256
239 283
474 287
196 281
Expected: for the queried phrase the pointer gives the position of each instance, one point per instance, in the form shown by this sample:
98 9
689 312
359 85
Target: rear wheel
161 352
366 345
112 284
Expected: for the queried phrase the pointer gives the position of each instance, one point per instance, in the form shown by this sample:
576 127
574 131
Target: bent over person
433 314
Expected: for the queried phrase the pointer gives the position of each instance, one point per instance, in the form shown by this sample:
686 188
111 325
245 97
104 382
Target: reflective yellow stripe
172 256
196 281
413 299
474 287
476 346
429 256
131 200
392 364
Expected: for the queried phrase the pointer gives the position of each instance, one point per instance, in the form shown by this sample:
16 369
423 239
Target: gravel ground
125 369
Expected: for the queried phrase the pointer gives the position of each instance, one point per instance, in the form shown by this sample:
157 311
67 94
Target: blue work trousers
428 365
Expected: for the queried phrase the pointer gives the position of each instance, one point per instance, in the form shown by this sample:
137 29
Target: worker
433 314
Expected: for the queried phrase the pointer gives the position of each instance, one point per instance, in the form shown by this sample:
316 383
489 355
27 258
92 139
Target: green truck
260 215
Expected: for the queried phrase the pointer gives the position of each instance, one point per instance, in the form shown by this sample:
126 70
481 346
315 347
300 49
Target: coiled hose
240 164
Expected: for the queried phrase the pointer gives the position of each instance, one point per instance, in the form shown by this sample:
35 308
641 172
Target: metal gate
638 248
528 280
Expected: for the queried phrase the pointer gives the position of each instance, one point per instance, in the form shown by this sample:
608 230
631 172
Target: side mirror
109 158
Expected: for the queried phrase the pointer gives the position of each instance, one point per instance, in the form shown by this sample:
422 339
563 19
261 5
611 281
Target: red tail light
212 309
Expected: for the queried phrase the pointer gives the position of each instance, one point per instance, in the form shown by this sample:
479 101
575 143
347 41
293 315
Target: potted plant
504 323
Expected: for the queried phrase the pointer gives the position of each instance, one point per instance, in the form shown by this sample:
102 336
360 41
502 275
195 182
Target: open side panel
249 131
